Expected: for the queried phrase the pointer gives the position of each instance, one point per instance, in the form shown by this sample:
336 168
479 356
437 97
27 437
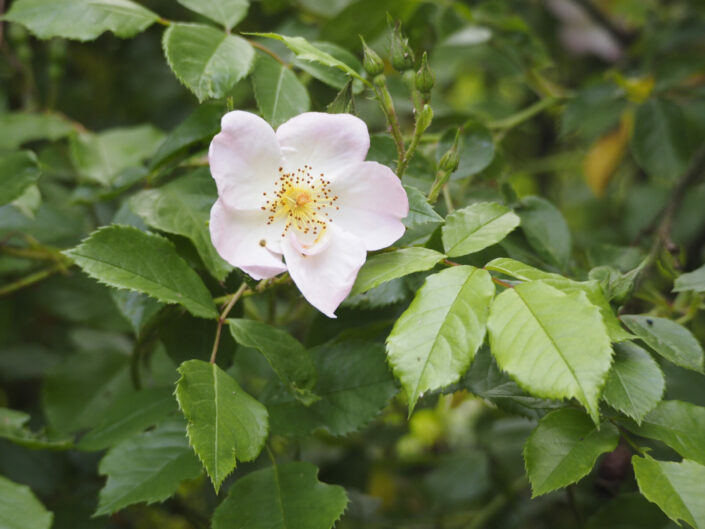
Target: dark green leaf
13 427
279 93
224 422
287 496
421 220
18 171
546 230
669 339
125 257
563 449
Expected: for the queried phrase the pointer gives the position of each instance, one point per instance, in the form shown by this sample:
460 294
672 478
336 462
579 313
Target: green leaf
306 51
206 60
537 335
669 339
20 509
289 359
344 102
546 230
681 425
635 383
563 449
182 207
435 339
279 93
332 76
421 220
138 309
201 125
354 384
21 127
659 141
692 281
224 422
81 19
78 391
476 149
628 511
225 12
13 427
675 487
147 467
519 270
18 171
125 257
386 266
476 227
128 416
101 157
287 496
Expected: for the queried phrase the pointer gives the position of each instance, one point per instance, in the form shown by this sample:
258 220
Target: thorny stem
221 319
404 159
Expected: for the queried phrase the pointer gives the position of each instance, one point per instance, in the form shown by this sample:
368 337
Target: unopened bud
401 54
425 79
371 62
424 118
451 159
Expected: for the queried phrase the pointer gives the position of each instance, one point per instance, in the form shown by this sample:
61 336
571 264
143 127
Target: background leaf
125 257
224 422
20 509
22 127
18 171
563 449
287 496
476 227
279 93
434 341
546 230
81 19
225 12
207 61
527 336
694 281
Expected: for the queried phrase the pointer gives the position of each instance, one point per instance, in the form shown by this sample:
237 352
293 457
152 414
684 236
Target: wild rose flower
305 193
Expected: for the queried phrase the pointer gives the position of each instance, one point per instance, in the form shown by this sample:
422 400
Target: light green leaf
681 425
19 128
435 339
694 281
329 75
563 449
519 270
546 230
128 416
224 422
206 60
101 157
147 467
659 142
20 509
421 220
537 335
279 93
78 391
287 496
18 171
386 266
14 428
225 12
125 257
635 383
183 207
306 51
354 384
669 339
675 487
81 19
476 227
289 359
201 125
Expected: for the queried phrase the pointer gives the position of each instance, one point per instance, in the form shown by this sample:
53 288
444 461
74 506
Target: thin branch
31 279
223 316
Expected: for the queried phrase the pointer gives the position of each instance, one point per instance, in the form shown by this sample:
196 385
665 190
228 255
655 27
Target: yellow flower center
304 199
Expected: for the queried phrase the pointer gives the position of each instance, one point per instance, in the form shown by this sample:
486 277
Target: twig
31 279
512 121
221 319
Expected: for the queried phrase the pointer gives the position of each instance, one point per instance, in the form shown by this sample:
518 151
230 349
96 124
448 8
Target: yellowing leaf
604 156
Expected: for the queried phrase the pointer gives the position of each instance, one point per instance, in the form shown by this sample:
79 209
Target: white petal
372 203
237 236
325 278
326 142
244 159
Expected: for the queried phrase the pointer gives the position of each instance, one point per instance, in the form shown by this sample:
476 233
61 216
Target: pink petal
372 203
326 277
244 159
237 236
326 142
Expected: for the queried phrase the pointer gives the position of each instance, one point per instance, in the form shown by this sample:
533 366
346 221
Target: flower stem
385 101
221 319
441 179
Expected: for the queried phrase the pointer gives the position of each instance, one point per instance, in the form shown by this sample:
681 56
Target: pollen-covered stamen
303 198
